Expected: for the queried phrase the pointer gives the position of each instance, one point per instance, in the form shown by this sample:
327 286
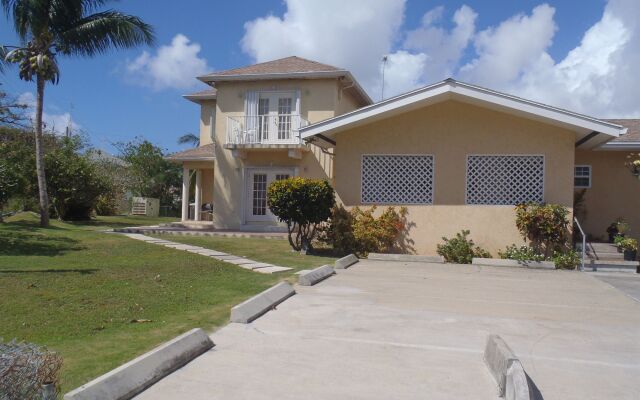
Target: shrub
544 225
460 249
566 260
521 253
24 368
377 235
339 231
627 244
302 204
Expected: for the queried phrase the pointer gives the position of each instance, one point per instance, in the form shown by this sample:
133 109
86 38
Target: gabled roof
202 153
590 131
286 68
198 97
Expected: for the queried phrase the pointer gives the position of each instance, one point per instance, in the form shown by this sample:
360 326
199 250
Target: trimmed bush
460 249
302 204
567 260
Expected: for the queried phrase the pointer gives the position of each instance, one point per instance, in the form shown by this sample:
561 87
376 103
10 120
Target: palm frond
97 33
189 138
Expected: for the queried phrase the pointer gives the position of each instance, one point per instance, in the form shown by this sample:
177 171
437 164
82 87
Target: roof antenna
384 64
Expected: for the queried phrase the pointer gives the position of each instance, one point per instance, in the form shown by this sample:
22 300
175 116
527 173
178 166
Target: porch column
198 207
185 193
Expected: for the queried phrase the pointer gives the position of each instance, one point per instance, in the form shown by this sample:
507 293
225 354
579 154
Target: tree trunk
42 180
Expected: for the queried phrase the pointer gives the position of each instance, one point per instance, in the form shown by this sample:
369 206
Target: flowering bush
567 260
522 253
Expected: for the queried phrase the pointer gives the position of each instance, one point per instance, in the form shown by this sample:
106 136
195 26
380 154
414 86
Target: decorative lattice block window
397 179
582 176
505 179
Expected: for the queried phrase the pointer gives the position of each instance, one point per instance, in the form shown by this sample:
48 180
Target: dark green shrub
521 253
544 225
460 249
302 204
338 232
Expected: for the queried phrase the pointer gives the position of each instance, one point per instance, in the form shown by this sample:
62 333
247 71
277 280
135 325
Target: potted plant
629 247
633 163
612 231
616 241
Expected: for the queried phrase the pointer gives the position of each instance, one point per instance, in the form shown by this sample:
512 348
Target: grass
272 251
78 290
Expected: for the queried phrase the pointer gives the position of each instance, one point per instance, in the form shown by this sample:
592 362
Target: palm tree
189 138
49 28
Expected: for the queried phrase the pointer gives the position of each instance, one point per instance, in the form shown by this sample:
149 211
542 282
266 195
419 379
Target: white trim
574 176
621 146
466 176
433 179
246 172
449 89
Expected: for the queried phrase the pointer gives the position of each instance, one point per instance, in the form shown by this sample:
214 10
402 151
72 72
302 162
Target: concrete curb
316 275
506 369
345 262
261 303
405 257
131 378
500 262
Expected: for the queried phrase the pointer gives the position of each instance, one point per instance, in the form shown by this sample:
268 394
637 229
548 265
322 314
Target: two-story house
456 155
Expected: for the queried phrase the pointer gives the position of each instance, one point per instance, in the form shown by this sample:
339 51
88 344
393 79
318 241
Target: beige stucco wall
614 192
320 99
450 131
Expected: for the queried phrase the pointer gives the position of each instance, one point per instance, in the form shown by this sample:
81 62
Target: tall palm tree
189 138
49 28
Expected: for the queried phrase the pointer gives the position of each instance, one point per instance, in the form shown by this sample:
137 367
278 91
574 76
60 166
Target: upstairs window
505 179
397 179
582 176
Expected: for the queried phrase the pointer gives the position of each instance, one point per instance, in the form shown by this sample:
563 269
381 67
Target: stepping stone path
242 262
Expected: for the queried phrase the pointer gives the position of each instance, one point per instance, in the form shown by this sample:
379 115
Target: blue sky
113 101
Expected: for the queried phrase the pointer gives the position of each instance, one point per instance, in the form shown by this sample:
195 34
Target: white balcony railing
265 129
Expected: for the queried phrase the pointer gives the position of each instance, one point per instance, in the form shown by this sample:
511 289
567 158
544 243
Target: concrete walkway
393 330
242 262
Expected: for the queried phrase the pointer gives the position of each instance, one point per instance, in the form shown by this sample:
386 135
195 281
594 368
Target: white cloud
174 66
56 122
443 49
598 77
352 34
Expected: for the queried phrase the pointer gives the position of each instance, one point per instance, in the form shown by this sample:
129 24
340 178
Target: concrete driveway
393 330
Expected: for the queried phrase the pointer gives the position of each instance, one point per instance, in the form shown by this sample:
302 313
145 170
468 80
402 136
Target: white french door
276 114
258 181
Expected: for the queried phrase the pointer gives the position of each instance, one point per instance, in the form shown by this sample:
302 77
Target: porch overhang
590 132
203 153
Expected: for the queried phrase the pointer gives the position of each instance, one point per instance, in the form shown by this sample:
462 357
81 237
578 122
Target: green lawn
272 251
77 290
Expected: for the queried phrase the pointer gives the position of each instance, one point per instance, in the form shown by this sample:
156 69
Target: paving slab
272 270
397 330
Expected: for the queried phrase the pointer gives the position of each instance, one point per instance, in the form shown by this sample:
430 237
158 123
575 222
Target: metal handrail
584 242
265 129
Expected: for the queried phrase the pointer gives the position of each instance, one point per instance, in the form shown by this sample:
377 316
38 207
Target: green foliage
73 182
617 239
339 231
567 260
521 253
460 249
7 184
151 174
302 204
544 225
381 234
622 226
627 244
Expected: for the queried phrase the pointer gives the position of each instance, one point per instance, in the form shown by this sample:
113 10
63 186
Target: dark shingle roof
633 129
199 153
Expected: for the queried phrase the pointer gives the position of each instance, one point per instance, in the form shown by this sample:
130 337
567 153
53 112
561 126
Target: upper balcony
264 131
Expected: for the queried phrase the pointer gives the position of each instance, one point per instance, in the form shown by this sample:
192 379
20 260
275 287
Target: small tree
544 225
7 185
302 204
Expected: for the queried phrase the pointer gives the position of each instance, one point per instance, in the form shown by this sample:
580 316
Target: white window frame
466 171
433 178
246 174
590 176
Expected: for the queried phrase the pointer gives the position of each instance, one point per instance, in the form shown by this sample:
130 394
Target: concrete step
612 265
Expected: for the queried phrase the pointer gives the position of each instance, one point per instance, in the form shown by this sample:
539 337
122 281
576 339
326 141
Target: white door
258 181
275 117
